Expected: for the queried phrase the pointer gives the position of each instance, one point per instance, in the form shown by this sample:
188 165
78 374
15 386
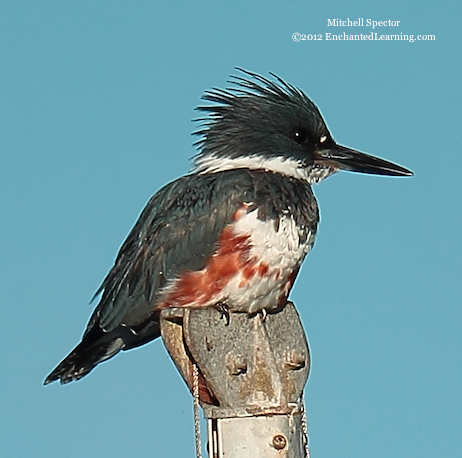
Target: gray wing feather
176 232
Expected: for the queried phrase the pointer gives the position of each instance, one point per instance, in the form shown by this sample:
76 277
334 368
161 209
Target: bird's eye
300 136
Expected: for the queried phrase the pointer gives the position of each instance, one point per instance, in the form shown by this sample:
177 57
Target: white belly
274 255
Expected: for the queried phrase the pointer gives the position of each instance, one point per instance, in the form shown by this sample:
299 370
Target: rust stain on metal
259 379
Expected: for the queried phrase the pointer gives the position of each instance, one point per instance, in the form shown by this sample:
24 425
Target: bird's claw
224 311
264 314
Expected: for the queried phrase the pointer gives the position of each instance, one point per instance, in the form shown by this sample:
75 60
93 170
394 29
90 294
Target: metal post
251 376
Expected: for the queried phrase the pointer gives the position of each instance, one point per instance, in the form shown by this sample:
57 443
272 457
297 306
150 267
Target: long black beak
340 157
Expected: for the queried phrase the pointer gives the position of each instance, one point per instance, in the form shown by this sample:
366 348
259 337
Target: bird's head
272 125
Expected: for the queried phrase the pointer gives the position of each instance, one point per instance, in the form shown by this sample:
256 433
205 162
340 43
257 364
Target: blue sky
96 102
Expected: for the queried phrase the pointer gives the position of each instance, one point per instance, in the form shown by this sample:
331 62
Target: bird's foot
224 311
263 314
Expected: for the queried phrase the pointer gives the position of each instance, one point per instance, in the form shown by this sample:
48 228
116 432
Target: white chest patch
276 256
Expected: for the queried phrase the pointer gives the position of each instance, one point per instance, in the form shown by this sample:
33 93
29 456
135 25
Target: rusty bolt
279 442
236 365
295 361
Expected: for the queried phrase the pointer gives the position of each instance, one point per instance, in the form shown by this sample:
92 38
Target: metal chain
197 424
305 426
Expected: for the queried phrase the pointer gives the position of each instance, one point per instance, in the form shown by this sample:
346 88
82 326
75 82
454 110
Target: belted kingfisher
231 234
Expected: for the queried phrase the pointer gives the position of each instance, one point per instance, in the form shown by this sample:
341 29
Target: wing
176 232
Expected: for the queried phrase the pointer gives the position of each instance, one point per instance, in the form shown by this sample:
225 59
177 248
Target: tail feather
98 346
84 359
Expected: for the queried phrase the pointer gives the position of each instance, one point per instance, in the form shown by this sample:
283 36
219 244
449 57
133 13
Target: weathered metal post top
248 376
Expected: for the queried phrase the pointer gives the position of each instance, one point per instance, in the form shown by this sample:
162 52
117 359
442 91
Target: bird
231 234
